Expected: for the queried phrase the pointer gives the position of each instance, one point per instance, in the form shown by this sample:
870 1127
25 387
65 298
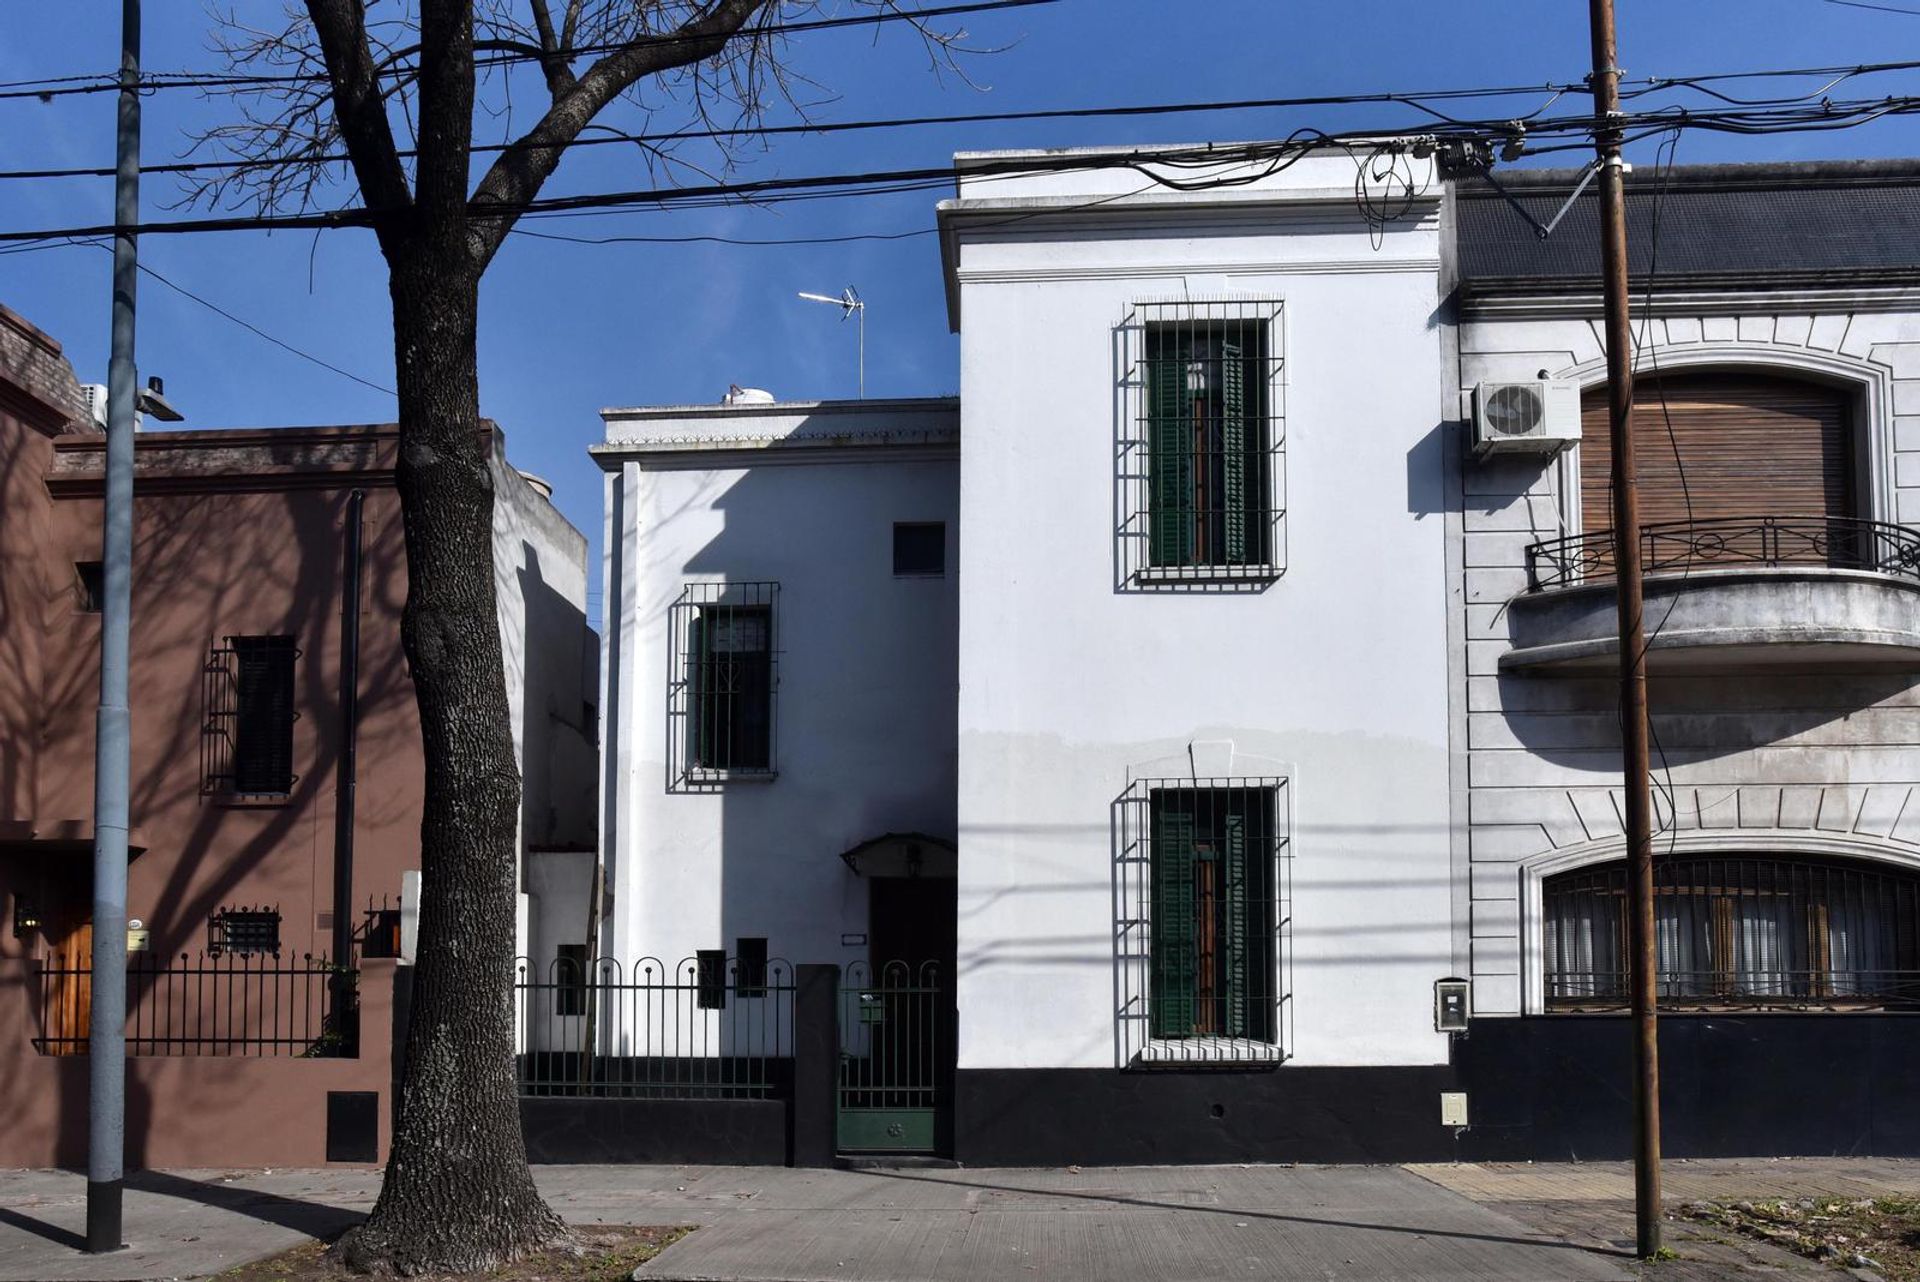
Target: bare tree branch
359 107
553 45
517 175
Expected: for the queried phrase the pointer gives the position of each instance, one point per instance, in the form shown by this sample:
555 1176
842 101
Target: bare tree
362 75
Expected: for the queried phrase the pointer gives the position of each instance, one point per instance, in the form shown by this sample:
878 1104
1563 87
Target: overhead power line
1825 115
242 322
1881 8
1417 99
109 82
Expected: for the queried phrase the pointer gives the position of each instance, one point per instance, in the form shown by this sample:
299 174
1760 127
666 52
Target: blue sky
567 329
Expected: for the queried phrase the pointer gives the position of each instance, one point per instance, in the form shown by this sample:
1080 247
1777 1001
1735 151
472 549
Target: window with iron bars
1784 932
247 693
1202 448
721 694
244 932
1203 892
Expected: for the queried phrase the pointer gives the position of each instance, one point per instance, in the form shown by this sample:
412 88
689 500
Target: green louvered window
1212 903
1207 453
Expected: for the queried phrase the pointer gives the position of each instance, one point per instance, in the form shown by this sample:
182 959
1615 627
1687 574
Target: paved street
1524 1222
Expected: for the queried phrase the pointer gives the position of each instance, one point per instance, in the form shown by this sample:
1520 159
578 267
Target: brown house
245 1045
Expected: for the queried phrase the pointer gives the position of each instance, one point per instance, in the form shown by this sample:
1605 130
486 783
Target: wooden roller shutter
1752 447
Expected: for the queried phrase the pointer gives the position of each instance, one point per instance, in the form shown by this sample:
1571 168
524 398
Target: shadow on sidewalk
315 1219
1114 1199
40 1228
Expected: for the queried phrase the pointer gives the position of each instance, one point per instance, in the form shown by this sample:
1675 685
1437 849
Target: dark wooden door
69 989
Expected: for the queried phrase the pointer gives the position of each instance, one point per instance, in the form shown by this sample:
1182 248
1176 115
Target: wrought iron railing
1739 541
237 1004
709 1027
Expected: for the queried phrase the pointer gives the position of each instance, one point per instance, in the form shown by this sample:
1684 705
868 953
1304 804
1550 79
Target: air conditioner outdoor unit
1537 417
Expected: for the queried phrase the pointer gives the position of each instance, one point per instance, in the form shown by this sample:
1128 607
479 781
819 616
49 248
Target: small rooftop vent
738 395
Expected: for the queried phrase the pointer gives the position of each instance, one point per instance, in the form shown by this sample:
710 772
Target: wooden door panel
70 991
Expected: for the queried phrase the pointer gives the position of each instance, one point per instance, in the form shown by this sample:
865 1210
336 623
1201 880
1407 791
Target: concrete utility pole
107 1021
1633 648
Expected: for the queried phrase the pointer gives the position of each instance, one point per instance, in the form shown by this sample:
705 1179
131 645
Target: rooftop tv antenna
850 304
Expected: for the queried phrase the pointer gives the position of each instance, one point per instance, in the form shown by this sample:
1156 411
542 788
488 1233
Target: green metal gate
895 1049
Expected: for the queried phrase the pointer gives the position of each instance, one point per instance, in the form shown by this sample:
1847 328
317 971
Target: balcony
1729 592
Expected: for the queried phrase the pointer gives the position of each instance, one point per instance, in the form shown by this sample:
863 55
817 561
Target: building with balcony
1236 748
1776 314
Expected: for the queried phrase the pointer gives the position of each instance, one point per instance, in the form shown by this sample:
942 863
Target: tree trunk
458 1195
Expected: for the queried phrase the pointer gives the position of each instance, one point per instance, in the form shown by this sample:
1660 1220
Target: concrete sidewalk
1163 1224
1158 1223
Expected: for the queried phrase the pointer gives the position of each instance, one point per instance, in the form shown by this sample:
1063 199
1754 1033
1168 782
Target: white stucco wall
1807 757
805 496
1334 675
549 652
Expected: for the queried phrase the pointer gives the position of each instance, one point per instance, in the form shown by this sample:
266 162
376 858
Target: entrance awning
903 854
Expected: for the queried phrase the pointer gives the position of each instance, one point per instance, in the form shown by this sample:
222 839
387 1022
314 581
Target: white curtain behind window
1583 933
1770 944
1682 959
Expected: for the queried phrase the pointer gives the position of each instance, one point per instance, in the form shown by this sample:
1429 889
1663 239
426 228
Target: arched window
1742 930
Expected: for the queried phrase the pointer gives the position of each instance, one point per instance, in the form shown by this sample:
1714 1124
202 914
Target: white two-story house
1188 705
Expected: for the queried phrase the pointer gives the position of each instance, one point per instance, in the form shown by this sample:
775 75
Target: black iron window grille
1203 897
724 675
1733 542
1783 932
244 932
1201 476
705 1028
247 697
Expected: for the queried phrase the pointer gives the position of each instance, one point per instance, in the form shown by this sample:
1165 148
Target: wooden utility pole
1633 647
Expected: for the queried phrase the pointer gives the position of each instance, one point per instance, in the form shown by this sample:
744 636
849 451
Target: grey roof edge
1766 174
1472 287
784 409
752 450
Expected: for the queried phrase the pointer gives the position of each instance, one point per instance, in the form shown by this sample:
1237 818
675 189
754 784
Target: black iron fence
1732 542
707 1027
234 1004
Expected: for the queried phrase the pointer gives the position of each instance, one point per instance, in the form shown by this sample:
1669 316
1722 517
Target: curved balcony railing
1735 542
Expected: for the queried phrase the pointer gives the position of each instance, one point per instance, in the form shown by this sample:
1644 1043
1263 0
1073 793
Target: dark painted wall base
1551 1088
1557 1088
1104 1117
708 1132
